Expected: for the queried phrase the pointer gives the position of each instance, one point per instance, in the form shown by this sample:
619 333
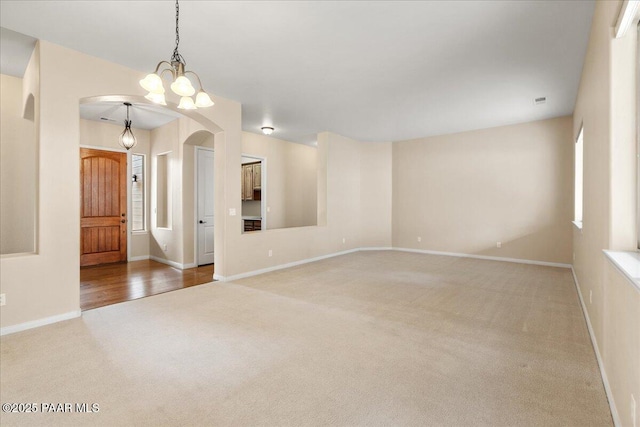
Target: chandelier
126 139
180 85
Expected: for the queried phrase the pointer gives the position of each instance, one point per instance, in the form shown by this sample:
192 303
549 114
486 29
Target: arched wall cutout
29 108
198 137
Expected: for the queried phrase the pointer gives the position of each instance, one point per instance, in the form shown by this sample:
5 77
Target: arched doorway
166 233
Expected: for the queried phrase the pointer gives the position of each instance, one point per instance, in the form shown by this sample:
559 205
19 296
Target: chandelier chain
176 57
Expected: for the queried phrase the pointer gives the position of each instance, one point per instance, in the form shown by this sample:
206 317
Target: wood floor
113 283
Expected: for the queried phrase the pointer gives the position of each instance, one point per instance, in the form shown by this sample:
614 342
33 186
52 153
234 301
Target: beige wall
619 341
18 169
375 195
465 192
165 141
341 196
606 107
105 135
291 190
301 186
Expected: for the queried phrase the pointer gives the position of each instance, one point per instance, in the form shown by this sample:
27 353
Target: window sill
578 225
140 232
628 263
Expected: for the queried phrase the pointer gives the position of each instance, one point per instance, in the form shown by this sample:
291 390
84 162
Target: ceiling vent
107 119
541 100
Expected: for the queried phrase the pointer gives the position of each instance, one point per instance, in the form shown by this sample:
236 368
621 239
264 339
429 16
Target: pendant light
180 85
127 140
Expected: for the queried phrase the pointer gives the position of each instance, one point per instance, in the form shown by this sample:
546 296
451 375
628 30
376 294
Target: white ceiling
142 116
15 52
370 70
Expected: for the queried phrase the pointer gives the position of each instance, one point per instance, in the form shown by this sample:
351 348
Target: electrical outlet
268 208
164 247
498 244
633 411
419 239
270 252
344 240
232 211
590 297
3 299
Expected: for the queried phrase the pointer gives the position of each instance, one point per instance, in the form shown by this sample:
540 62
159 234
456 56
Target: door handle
202 222
123 221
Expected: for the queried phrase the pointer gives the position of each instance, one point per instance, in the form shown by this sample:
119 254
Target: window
137 192
578 181
163 191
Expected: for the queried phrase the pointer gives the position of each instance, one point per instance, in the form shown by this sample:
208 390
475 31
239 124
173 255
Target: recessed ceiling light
267 130
541 100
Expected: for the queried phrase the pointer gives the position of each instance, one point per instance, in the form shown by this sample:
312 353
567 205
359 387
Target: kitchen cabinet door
257 176
248 182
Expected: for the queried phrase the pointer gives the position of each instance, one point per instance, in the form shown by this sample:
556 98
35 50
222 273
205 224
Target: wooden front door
103 207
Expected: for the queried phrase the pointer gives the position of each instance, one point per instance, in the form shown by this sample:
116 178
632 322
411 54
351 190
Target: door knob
123 221
202 222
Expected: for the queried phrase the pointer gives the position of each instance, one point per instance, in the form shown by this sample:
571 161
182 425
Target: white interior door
205 206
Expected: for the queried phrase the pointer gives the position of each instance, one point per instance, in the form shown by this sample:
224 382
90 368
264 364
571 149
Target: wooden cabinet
251 188
247 182
257 176
252 225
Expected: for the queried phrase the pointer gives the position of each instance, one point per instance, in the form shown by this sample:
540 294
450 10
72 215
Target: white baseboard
39 322
603 373
139 258
384 248
282 266
172 263
490 258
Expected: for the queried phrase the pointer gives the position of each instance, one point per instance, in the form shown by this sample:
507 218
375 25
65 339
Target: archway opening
156 225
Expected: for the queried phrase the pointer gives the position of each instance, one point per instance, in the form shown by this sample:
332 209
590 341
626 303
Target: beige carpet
371 338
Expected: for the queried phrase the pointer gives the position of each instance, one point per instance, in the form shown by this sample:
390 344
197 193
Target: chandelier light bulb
126 139
267 130
186 103
182 86
203 100
157 98
152 83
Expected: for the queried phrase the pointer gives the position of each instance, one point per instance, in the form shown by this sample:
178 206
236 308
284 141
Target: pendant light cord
176 57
